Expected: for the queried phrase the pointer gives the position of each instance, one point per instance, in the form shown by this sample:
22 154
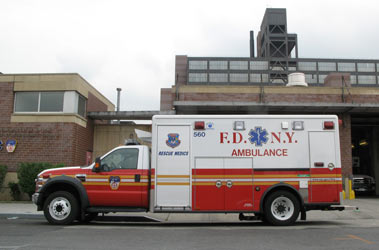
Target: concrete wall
5 194
107 137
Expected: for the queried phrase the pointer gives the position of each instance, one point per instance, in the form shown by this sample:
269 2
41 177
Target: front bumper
35 197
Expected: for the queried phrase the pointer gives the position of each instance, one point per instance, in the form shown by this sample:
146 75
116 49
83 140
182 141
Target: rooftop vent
296 79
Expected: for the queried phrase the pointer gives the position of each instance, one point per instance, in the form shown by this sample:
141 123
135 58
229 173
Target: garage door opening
365 140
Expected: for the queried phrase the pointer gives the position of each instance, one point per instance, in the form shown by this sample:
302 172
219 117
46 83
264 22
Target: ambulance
273 168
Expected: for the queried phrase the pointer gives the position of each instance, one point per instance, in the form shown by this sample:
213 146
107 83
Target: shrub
27 173
3 172
15 190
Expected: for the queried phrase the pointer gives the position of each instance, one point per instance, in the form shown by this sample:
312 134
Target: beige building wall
107 137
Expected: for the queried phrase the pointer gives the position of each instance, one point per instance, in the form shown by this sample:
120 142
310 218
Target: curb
14 216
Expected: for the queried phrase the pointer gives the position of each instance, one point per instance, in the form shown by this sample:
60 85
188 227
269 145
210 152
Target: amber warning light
328 125
199 125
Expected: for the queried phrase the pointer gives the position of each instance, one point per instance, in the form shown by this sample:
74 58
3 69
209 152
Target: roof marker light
298 125
239 125
199 125
285 125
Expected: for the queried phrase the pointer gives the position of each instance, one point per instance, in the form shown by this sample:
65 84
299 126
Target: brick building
257 85
46 115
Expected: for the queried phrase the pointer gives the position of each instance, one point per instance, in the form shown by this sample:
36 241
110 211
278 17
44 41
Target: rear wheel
281 208
61 208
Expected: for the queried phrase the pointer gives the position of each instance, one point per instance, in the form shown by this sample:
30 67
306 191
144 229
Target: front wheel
61 208
281 208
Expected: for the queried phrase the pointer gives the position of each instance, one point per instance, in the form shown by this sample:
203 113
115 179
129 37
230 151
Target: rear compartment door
239 184
223 184
324 184
173 166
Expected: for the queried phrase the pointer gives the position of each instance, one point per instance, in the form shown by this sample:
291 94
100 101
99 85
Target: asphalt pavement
368 211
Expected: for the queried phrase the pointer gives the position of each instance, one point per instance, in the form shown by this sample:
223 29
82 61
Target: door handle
218 184
319 164
137 178
229 184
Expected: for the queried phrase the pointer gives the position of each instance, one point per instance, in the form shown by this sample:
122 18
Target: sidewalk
368 210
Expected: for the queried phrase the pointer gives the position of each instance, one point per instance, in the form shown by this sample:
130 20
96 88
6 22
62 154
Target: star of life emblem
258 136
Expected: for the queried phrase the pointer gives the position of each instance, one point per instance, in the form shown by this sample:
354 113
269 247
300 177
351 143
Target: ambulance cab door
323 184
120 181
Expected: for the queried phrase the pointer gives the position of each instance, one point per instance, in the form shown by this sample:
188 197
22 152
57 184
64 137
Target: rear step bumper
341 208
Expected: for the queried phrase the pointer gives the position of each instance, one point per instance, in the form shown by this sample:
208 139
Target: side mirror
97 167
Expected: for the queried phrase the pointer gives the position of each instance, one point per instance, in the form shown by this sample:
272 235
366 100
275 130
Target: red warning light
199 125
329 125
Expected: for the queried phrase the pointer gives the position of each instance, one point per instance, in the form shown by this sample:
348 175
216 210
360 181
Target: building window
197 64
238 78
326 66
259 65
39 101
218 77
239 65
197 77
81 106
67 102
366 67
310 78
264 77
26 102
258 78
321 78
221 65
51 102
366 79
307 66
346 67
353 79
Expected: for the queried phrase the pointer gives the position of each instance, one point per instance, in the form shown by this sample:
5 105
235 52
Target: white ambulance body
246 163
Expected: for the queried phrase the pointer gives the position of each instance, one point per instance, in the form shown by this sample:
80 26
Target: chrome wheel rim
282 208
59 208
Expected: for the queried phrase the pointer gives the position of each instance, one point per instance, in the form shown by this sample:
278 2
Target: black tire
61 208
281 208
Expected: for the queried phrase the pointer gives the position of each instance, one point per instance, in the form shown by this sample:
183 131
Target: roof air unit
296 79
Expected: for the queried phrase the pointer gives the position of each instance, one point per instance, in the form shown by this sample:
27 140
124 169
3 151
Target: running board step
115 209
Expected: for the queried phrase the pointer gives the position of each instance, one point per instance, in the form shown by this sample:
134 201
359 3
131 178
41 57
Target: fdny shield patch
114 182
173 140
11 145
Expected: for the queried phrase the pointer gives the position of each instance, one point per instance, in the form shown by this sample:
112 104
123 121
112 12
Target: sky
132 44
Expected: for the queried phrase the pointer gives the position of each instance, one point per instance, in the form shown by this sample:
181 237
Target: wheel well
281 188
61 187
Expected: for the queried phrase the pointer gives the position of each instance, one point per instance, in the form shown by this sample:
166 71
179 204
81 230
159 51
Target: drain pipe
118 101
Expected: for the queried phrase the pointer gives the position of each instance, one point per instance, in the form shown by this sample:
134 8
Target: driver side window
124 158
